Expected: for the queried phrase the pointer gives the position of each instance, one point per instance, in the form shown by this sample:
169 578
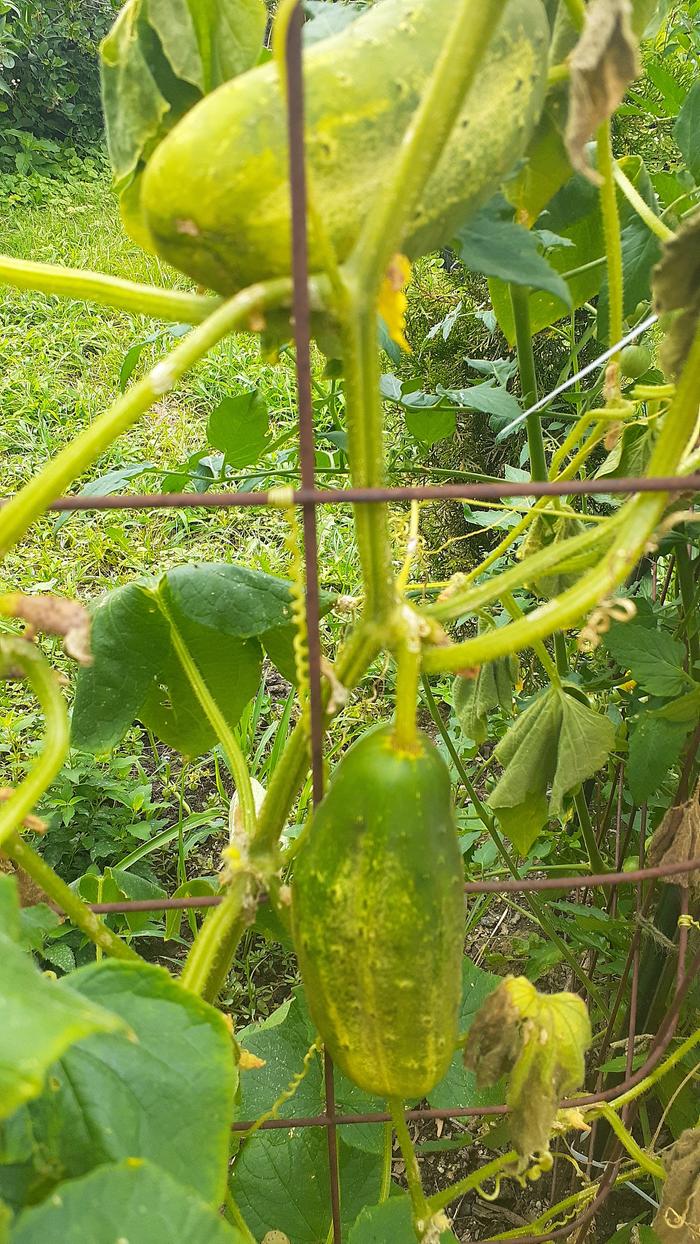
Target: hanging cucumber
215 194
378 917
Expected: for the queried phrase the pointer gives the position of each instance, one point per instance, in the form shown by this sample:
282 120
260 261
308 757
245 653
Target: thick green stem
596 860
462 53
366 452
520 299
577 12
17 653
407 678
645 213
611 227
67 900
108 291
211 954
687 575
419 1204
477 1179
17 514
231 747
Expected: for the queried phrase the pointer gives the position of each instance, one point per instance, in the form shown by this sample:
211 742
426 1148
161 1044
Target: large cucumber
378 917
215 194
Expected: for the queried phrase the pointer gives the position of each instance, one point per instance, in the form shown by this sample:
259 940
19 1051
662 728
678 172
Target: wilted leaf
552 747
540 1041
678 1217
474 698
676 286
604 62
544 531
677 841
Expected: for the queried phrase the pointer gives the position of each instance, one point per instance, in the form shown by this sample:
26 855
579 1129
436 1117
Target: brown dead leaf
676 841
678 1219
54 615
676 286
603 63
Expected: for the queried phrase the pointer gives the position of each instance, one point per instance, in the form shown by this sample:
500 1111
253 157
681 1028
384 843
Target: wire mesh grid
308 497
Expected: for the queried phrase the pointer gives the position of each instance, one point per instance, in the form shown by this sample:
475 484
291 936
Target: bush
49 79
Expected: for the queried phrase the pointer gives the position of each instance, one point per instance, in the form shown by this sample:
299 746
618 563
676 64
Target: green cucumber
378 917
215 193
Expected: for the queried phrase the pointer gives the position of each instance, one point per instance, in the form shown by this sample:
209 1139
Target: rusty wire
309 497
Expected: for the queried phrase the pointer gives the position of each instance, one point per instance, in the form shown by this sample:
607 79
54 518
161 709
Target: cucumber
378 917
215 194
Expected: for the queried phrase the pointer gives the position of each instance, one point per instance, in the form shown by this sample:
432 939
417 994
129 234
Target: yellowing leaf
540 1041
393 303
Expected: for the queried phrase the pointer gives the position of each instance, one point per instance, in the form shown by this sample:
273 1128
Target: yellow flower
393 302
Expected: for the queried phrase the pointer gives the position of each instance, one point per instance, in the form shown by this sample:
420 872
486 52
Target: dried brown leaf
603 63
676 841
676 286
54 616
678 1219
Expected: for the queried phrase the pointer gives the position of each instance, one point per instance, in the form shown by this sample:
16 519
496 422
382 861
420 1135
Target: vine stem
67 900
18 653
627 1140
577 12
420 1206
462 52
18 513
611 228
491 1171
107 291
408 659
520 300
645 213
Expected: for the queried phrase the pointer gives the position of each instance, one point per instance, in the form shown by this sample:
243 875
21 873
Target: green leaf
228 598
160 57
501 248
28 1048
474 698
540 1042
292 1168
390 1223
430 425
133 1201
127 630
487 399
458 1085
239 426
585 231
553 746
219 610
165 1095
283 1042
654 658
655 745
687 130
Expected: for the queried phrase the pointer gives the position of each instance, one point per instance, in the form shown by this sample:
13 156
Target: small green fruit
635 361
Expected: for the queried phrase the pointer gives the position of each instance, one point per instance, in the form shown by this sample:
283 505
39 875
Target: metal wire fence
308 497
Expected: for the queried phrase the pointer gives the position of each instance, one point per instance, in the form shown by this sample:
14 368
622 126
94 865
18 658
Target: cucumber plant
418 113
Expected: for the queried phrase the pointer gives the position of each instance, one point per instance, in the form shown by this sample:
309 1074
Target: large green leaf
653 657
655 745
160 57
238 427
502 248
292 1168
222 613
389 1223
166 1094
41 1019
133 1201
574 214
552 747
